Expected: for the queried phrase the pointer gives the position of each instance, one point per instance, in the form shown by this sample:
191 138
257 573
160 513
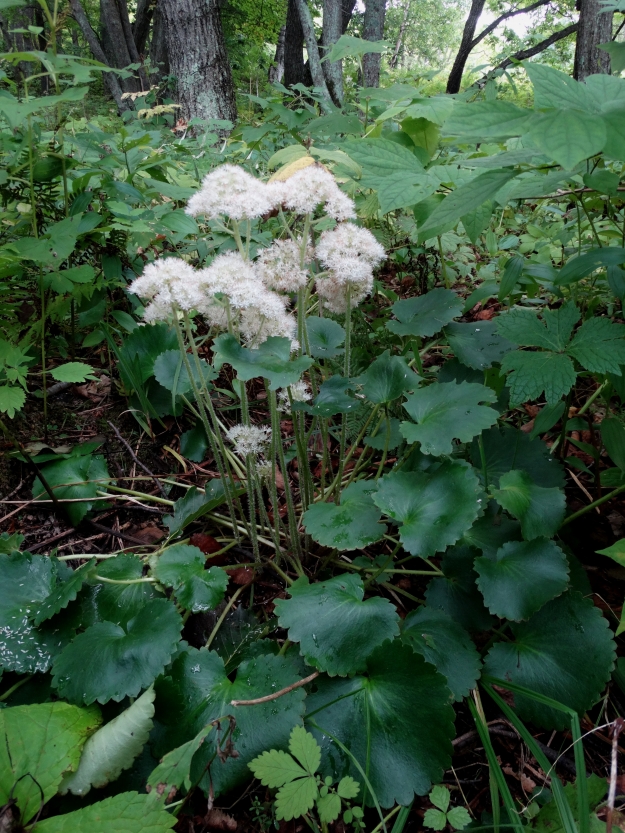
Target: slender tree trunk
466 45
348 7
117 41
159 58
276 70
198 59
522 54
373 29
314 59
595 27
332 30
400 36
141 26
122 8
293 47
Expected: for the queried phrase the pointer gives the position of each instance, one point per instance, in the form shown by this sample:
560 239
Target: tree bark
293 47
122 8
331 32
141 26
373 29
595 27
110 79
198 59
117 42
522 54
400 36
314 59
159 58
348 7
276 70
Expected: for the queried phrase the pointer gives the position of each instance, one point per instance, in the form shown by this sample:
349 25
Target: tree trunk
332 30
122 8
159 58
466 45
595 27
276 70
314 59
373 29
198 59
348 7
141 26
119 50
293 47
400 36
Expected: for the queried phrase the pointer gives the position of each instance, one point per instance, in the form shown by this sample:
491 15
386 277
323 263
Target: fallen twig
136 460
269 697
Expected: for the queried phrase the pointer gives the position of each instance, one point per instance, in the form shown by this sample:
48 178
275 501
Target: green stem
592 398
275 427
15 687
443 264
224 613
592 505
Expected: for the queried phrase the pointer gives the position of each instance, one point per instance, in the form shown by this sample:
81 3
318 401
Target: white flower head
349 242
232 191
249 439
257 324
159 308
165 272
264 469
279 266
300 392
333 288
313 186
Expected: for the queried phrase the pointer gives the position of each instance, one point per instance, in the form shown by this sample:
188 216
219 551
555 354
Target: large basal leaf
197 690
535 373
110 662
336 629
456 592
119 603
445 412
486 120
552 331
490 532
443 642
40 742
352 525
554 88
434 508
124 813
325 337
171 372
74 478
272 360
387 378
141 348
113 748
194 504
567 136
477 345
182 567
565 651
521 577
396 721
64 593
174 769
426 314
333 398
540 510
508 448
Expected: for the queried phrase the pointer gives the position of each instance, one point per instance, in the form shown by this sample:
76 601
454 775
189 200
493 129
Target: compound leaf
275 768
599 346
478 344
296 798
329 807
533 373
305 749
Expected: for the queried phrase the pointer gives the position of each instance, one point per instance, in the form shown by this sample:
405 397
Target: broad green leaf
521 577
352 525
347 787
616 552
272 360
553 332
197 690
443 642
507 448
581 266
490 532
403 189
440 797
173 770
404 703
141 348
614 147
459 818
195 588
296 798
540 510
456 592
386 435
12 399
171 372
565 651
286 155
109 662
325 337
75 477
119 814
64 593
329 807
425 315
434 508
335 628
119 603
113 748
511 274
194 504
446 411
387 378
603 181
549 819
381 157
486 121
348 46
477 344
477 221
599 346
616 51
423 132
72 372
467 197
531 374
275 768
546 418
553 89
435 819
41 742
567 136
194 443
56 244
613 436
305 749
333 398
331 125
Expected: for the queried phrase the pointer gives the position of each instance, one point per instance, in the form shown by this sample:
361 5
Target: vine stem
269 697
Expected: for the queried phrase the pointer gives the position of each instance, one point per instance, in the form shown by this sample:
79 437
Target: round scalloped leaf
118 814
119 603
521 577
565 651
508 448
405 704
426 314
456 592
325 337
387 378
171 372
195 588
197 690
352 525
108 662
540 510
446 644
64 593
336 629
271 360
435 508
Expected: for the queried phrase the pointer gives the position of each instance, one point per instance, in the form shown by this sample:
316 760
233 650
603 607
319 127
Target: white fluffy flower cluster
279 266
313 186
300 392
165 282
249 439
349 254
230 190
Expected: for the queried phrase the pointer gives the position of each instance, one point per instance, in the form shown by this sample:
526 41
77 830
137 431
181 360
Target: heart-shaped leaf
336 629
540 510
446 411
434 508
272 360
119 603
325 337
387 378
195 588
425 315
332 398
352 525
565 651
396 721
446 644
521 577
109 662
